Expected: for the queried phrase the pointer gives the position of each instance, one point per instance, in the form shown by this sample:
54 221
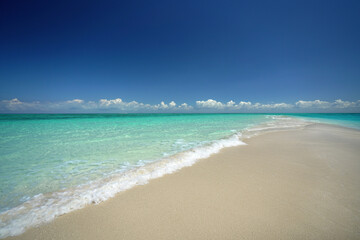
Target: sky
180 56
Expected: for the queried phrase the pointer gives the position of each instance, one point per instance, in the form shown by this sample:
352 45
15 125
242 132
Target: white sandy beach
294 184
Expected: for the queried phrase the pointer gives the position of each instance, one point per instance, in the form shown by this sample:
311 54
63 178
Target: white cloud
15 105
210 105
79 101
105 102
337 104
185 106
273 106
313 104
172 104
346 104
163 105
231 105
244 104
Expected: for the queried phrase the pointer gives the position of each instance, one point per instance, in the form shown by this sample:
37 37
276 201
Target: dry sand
296 184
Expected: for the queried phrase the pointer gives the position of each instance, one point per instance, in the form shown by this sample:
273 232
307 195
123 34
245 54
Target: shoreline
155 211
43 208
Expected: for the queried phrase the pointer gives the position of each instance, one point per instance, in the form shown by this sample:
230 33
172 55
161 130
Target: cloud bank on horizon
119 106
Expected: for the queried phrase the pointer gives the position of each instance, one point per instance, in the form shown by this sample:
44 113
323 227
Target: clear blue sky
152 51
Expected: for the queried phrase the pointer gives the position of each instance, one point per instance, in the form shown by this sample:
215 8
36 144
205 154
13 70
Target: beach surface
293 184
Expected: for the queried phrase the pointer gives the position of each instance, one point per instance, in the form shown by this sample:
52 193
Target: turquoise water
46 153
351 120
53 164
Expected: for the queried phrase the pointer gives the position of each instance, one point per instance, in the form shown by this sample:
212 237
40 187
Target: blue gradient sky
152 51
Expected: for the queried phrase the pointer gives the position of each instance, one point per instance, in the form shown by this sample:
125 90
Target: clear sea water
350 120
53 164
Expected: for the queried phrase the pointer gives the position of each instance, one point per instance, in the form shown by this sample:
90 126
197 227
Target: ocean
51 164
